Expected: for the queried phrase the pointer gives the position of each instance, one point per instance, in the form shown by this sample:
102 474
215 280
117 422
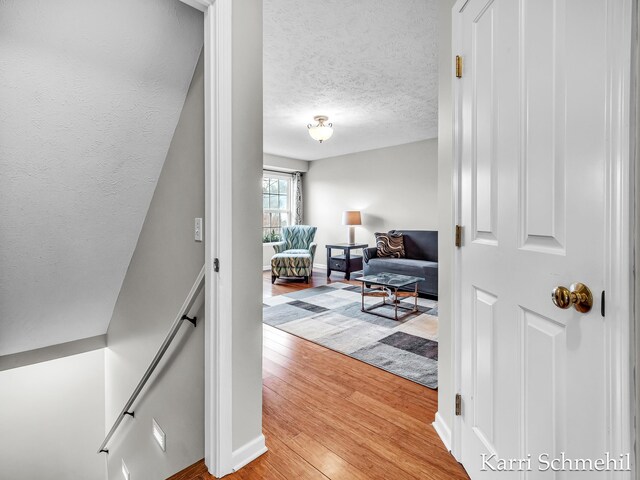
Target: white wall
393 187
163 268
246 254
52 419
445 216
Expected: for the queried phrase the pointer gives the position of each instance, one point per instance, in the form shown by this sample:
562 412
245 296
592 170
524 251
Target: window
276 205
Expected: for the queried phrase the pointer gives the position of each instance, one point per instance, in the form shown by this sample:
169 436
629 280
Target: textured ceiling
370 65
90 94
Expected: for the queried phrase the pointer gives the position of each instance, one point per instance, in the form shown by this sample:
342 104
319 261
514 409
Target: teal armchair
295 253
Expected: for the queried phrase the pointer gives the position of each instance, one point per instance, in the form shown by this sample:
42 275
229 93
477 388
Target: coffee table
387 286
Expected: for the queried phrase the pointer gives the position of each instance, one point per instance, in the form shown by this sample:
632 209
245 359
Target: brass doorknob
577 295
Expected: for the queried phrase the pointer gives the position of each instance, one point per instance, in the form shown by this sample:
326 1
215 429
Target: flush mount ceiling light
322 131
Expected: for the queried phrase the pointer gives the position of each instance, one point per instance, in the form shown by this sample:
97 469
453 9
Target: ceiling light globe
321 132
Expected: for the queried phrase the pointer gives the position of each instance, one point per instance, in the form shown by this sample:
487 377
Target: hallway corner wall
162 270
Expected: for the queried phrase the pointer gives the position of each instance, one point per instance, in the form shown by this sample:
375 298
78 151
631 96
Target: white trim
289 212
248 452
443 430
218 243
266 268
619 229
220 55
320 266
456 334
282 170
201 5
268 172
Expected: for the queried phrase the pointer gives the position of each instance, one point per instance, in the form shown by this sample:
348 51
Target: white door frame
620 214
217 231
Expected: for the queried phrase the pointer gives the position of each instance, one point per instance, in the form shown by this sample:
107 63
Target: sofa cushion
420 244
389 245
291 264
292 259
405 266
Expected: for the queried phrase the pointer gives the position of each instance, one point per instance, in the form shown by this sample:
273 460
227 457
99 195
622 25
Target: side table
346 262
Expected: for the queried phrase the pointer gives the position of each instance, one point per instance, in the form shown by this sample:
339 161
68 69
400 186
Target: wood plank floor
329 416
281 287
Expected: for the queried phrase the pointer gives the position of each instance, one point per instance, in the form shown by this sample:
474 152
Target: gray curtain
298 212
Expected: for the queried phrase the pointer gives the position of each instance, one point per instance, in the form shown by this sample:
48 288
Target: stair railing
177 323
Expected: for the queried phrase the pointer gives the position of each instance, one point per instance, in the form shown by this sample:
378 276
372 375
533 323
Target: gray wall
89 104
247 215
636 326
394 187
284 164
163 268
445 215
52 419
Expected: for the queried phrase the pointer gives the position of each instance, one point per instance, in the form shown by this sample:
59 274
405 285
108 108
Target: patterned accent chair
294 255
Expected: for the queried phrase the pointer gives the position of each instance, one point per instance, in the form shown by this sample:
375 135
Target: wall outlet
198 230
125 471
159 435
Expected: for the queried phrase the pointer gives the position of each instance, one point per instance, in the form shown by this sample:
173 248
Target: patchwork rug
330 316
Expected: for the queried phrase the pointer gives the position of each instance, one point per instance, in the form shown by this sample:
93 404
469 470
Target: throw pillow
390 245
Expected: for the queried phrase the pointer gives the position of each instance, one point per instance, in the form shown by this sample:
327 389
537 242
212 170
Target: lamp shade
351 217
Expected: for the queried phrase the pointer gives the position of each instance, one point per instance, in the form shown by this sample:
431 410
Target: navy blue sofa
421 259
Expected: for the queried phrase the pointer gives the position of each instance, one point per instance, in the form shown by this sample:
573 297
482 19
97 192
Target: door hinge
458 66
216 265
458 404
458 236
602 304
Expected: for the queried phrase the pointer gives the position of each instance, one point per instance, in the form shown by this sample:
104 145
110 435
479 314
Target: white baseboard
443 430
248 452
266 267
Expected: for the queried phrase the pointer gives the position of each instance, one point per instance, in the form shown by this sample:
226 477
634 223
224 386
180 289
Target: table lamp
351 218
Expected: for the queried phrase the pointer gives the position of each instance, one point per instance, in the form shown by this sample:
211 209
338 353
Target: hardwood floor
281 287
329 416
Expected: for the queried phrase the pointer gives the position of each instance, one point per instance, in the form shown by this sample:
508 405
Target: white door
532 129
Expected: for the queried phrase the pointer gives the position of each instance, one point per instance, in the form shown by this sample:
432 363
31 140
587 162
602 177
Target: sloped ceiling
90 94
370 65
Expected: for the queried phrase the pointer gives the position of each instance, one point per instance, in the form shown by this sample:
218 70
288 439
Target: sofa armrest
312 249
279 247
368 253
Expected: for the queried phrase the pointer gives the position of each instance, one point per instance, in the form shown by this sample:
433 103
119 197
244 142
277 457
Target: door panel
543 366
483 379
484 172
543 118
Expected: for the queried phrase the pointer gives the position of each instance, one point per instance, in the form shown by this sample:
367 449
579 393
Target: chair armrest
279 247
312 249
368 253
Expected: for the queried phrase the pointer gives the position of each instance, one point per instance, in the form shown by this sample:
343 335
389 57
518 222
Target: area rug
330 316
